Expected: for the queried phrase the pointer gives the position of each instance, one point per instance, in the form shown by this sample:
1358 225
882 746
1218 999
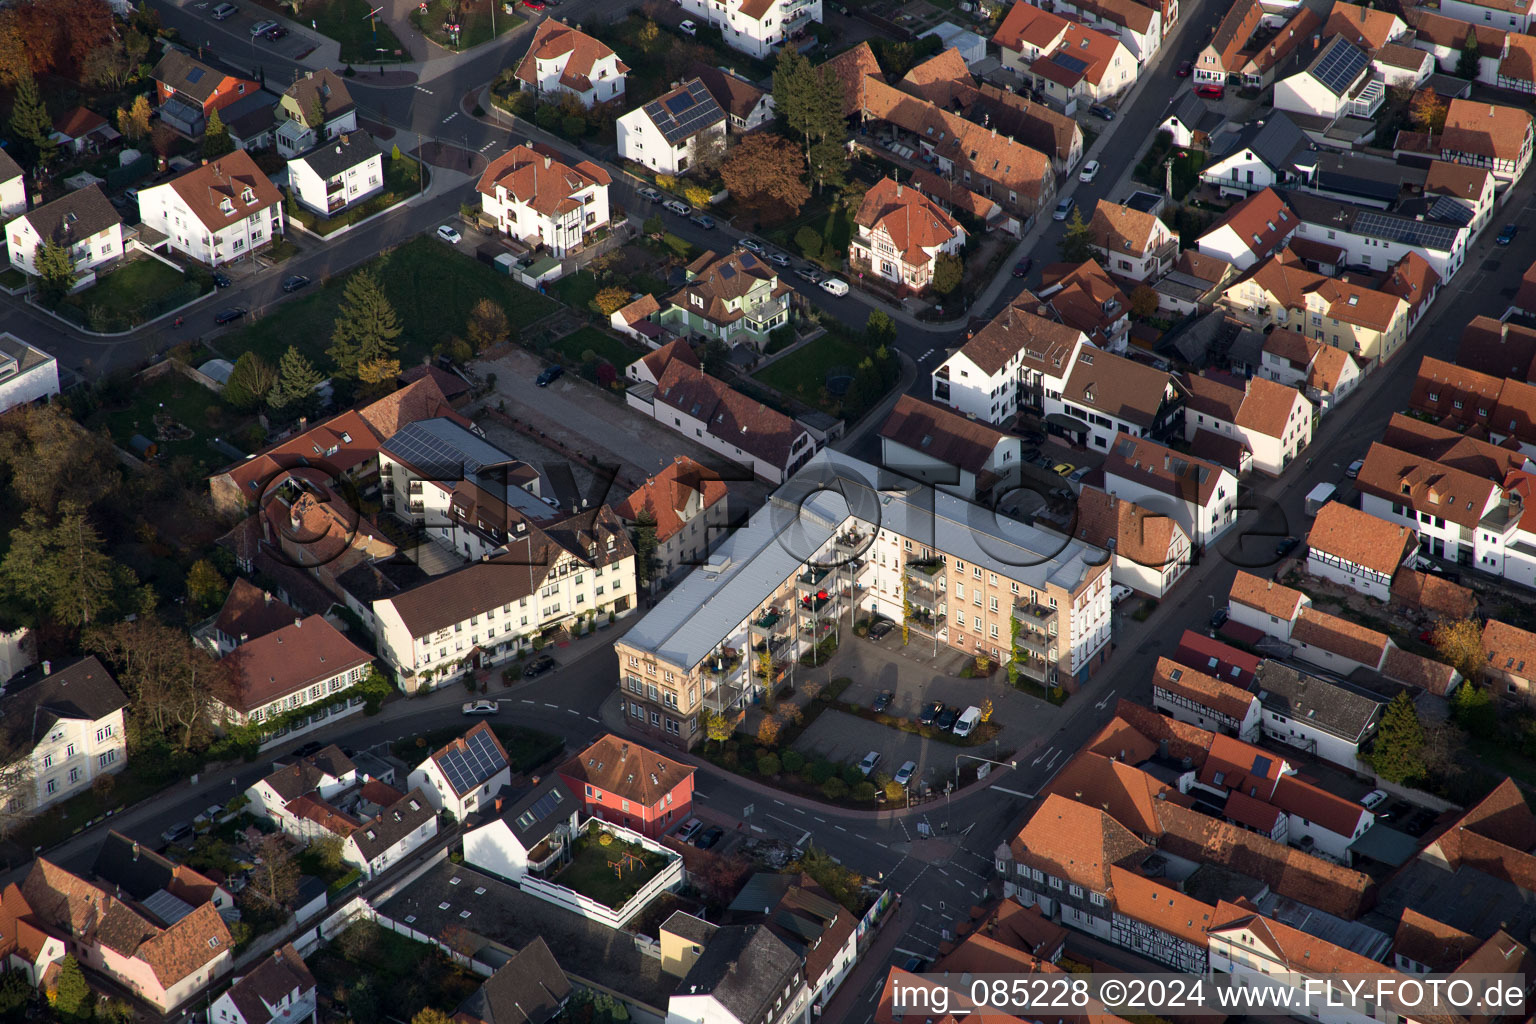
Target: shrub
697 195
809 241
864 792
834 789
851 774
895 792
793 760
822 770
768 764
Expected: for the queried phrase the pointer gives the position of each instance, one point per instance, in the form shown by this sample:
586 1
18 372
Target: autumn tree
133 122
1427 112
55 271
1076 245
610 300
250 382
768 731
366 325
107 66
717 728
1144 302
171 681
488 325
1397 753
1459 642
206 587
294 389
948 272
766 171
277 873
52 459
216 140
431 1015
378 372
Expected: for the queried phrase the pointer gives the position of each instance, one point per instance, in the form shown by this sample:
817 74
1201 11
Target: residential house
1273 420
689 507
80 131
342 172
1194 284
736 297
746 974
1436 228
466 775
1106 395
252 120
1450 508
391 835
670 133
529 988
820 931
747 106
1086 299
1511 15
901 234
1326 375
651 367
964 457
1414 281
1498 348
1131 243
537 198
758 27
308 664
164 962
13 188
68 724
1517 64
630 785
187 91
82 221
1315 715
1369 28
563 61
25 943
1148 552
1264 605
1444 38
1026 34
1251 231
638 320
28 375
315 109
529 835
1259 155
1139 27
1190 122
162 886
1487 135
218 212
954 198
1201 700
278 990
1013 363
1471 187
1224 56
304 798
1511 660
1087 65
1339 82
1261 60
1200 496
1353 549
1402 66
760 590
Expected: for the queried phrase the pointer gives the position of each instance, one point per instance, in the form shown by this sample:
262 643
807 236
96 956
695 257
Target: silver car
905 772
224 11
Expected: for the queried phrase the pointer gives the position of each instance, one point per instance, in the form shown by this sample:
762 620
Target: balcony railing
851 542
922 597
767 624
1036 643
1037 616
1037 669
811 579
924 570
764 312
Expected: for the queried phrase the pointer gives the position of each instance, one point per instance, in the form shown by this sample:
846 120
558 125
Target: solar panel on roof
1071 63
748 260
1430 234
195 75
727 271
677 104
1339 66
1447 209
542 808
1261 766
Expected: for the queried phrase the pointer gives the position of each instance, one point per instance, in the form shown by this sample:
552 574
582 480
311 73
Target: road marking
882 846
1043 754
1101 704
527 701
1052 762
422 88
942 872
1011 792
591 719
488 145
450 117
799 810
839 828
549 705
573 711
779 802
927 907
822 820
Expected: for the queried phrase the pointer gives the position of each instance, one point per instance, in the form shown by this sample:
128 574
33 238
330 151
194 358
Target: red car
1185 68
1207 89
534 5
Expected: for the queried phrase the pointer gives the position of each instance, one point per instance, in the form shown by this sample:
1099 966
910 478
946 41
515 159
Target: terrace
1035 616
608 869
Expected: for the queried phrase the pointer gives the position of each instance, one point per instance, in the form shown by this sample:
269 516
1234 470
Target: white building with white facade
1509 15
1140 27
389 837
1315 715
667 133
343 172
1338 83
466 775
13 188
539 199
278 990
1200 496
563 61
756 27
218 212
27 374
1357 550
70 725
1271 419
1019 359
308 665
82 221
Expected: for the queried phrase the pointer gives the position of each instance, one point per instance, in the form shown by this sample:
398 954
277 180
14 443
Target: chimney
309 74
135 852
303 424
47 669
298 623
205 162
266 597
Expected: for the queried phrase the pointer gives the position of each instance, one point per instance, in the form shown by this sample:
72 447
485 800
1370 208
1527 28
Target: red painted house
187 91
1216 659
620 781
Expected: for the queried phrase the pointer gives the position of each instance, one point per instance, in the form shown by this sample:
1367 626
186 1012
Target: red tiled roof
1423 484
1413 670
1364 26
1204 690
555 39
1136 733
1432 943
1026 23
216 193
1146 538
1077 843
1485 129
746 423
626 769
1434 594
1250 221
914 223
1339 636
1267 596
1123 792
1160 904
535 176
1216 659
1336 814
851 68
1361 538
290 660
668 494
1162 469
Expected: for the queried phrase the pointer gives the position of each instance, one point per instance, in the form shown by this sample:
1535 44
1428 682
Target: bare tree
277 875
172 681
18 778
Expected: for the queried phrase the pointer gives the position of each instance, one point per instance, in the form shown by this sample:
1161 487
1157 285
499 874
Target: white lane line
822 820
527 701
549 705
928 908
591 719
882 846
799 810
779 802
422 88
573 711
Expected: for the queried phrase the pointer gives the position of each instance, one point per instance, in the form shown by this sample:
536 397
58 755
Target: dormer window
226 206
247 196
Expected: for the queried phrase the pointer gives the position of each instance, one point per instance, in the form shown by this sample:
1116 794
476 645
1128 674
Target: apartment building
690 508
757 27
537 198
345 171
1014 363
1106 396
307 664
952 453
1272 420
1200 496
1150 551
218 212
830 546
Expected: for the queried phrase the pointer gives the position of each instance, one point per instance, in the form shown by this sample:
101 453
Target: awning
1065 422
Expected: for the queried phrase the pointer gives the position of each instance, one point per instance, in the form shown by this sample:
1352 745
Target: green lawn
12 278
592 871
132 294
371 972
476 18
189 404
803 373
432 287
526 748
600 344
834 226
576 290
347 22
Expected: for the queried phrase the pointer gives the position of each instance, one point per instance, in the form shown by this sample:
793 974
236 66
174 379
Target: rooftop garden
608 869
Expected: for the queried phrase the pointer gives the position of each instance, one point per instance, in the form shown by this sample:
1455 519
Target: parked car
778 259
176 833
262 27
710 837
549 376
883 701
481 707
1089 172
678 207
1286 546
220 279
904 773
1099 110
751 245
1080 474
1063 469
1210 90
1353 469
880 629
704 221
223 11
1064 209
947 718
688 28
534 5
650 195
1218 618
1507 235
835 286
1374 799
448 234
867 766
1022 267
294 283
691 828
208 816
229 316
1185 69
1119 592
808 273
274 33
538 666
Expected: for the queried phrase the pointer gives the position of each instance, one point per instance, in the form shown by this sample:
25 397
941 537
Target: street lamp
950 787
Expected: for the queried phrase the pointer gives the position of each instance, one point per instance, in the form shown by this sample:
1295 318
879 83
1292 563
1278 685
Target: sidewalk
872 965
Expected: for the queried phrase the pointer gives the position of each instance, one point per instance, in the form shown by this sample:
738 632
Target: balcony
1035 616
810 581
925 623
924 570
922 597
767 624
418 507
1036 669
818 602
763 314
1037 644
724 662
852 542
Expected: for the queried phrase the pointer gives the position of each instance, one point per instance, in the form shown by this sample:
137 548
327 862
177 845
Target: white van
968 721
835 286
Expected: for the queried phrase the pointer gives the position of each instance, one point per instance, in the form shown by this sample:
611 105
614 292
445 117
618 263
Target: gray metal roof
800 519
1303 697
442 450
